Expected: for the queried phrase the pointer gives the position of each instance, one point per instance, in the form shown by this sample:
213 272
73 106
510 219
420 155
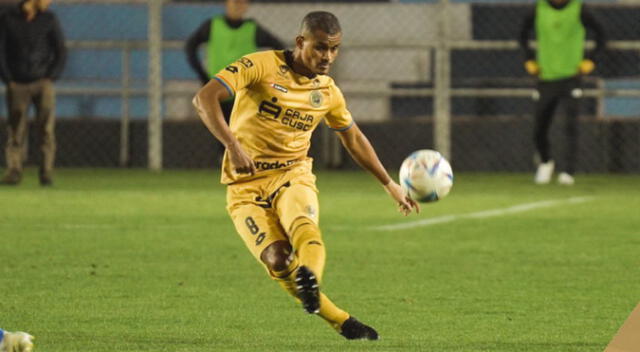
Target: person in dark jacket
32 56
228 38
559 63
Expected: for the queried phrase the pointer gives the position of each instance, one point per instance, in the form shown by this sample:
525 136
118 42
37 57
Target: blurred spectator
228 38
559 63
32 56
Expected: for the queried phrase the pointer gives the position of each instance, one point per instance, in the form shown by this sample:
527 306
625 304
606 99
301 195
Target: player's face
319 50
235 9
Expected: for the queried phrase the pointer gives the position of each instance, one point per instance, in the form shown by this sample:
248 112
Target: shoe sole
308 290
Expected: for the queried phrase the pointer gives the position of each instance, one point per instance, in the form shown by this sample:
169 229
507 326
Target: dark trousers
565 92
19 96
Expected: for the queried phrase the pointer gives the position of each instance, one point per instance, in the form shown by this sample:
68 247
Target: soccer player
281 97
559 64
15 341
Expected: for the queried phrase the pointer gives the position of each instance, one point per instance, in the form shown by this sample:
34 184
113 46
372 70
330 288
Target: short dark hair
320 20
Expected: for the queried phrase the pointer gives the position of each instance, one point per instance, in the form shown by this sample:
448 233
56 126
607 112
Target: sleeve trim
225 84
343 128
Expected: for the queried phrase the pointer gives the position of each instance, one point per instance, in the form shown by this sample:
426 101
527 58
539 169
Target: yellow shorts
264 209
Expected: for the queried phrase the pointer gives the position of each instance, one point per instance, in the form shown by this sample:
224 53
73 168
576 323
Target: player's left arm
265 39
56 37
591 22
363 153
587 65
528 24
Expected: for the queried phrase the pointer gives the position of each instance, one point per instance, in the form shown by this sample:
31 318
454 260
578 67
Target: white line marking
481 214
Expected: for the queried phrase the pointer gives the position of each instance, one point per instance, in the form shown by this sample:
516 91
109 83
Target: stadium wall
477 144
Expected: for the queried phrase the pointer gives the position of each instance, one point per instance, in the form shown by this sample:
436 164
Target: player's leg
260 231
262 234
544 110
268 243
298 210
572 108
296 207
283 267
44 101
18 98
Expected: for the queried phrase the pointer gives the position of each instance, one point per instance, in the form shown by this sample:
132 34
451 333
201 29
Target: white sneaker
565 179
545 170
15 341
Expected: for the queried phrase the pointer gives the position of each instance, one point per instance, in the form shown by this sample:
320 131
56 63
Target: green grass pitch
128 260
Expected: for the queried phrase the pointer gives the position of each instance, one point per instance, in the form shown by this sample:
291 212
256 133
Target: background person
228 37
32 56
559 63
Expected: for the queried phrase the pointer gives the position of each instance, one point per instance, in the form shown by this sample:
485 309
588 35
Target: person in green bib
558 62
228 38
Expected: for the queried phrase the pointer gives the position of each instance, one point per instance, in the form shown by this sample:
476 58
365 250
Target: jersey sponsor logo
297 120
291 117
269 109
315 98
263 165
279 87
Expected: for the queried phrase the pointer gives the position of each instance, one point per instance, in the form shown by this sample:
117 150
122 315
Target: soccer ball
426 175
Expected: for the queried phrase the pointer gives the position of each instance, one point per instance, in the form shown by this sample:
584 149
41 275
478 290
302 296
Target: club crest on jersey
279 87
315 98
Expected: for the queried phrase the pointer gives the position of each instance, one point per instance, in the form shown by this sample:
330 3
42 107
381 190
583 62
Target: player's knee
277 256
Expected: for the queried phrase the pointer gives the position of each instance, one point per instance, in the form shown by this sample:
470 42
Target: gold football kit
273 117
275 113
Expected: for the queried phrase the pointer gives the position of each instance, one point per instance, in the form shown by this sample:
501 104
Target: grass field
127 260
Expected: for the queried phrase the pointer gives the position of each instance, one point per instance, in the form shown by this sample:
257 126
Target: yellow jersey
276 110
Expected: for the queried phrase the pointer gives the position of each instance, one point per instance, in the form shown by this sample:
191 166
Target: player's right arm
363 153
530 64
339 119
207 103
197 38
